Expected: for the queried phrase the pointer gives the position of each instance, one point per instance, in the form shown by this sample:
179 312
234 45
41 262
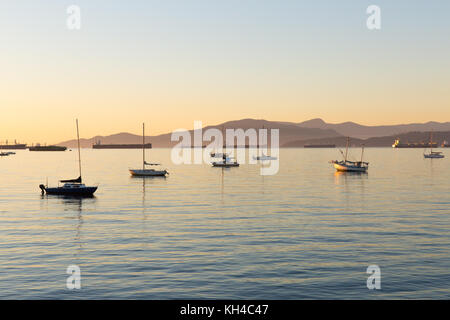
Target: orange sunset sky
169 63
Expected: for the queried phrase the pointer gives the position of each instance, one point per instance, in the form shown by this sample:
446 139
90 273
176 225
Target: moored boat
433 154
264 157
144 172
47 148
71 187
351 166
226 162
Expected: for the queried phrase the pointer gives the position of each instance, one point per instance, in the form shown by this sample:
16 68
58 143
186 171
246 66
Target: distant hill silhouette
315 131
355 130
386 141
288 132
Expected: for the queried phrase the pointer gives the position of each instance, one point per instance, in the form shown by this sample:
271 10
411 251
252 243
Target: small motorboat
72 187
225 163
434 155
264 157
350 166
148 172
144 172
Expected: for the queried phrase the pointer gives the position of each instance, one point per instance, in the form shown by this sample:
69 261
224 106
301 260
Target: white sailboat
433 154
147 172
351 166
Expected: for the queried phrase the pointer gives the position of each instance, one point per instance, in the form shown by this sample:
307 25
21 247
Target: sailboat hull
62 191
433 156
225 164
148 173
349 168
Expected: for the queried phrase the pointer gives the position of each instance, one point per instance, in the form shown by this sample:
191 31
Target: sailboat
433 154
263 156
71 187
351 166
147 172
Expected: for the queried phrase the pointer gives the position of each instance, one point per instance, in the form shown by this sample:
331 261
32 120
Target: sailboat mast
143 146
431 142
79 152
346 149
362 153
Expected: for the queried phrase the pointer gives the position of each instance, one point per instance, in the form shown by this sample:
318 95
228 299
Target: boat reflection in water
342 177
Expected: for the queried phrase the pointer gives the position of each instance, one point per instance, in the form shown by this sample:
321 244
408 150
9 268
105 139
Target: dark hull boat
72 187
47 148
225 163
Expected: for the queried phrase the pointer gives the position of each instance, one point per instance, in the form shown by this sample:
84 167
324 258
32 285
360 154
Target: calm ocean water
205 232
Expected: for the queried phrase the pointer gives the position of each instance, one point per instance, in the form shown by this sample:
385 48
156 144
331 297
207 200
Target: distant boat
399 144
264 157
47 148
5 154
351 166
16 146
433 154
147 172
218 154
319 146
120 146
225 163
445 144
72 187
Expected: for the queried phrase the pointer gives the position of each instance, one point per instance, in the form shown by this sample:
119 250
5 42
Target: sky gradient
169 63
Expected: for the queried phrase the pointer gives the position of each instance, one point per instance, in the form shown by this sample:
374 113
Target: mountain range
355 130
315 131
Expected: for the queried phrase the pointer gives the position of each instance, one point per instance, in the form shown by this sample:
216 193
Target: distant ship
17 146
98 145
319 146
398 144
47 148
445 144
